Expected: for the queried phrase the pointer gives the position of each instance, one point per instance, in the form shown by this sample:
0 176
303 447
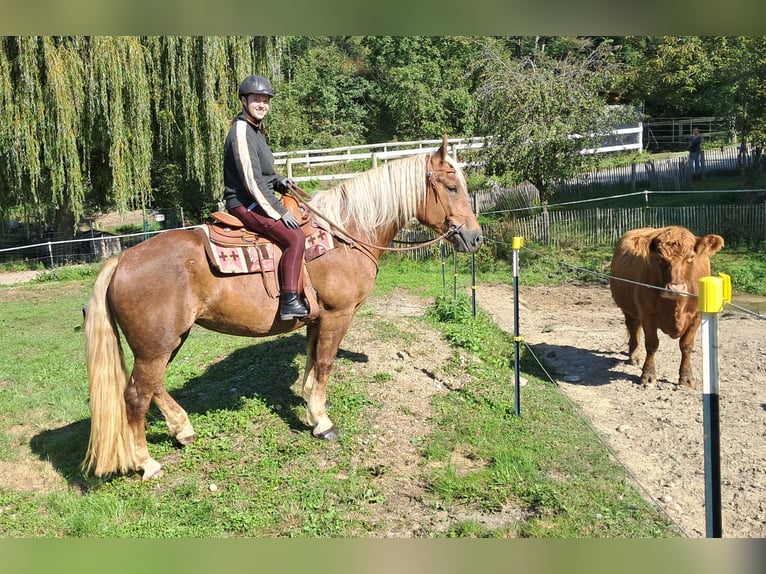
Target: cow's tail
110 447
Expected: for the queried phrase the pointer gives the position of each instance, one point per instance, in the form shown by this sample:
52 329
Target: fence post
443 256
50 255
454 274
473 267
713 291
516 244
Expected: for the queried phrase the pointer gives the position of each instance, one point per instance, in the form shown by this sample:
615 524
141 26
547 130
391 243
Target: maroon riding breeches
291 241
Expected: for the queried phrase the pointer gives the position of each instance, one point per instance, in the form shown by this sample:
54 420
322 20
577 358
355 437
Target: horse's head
447 208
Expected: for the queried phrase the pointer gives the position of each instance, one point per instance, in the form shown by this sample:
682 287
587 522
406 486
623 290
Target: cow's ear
710 245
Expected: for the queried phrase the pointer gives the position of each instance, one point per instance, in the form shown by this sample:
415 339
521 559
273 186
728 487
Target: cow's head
682 259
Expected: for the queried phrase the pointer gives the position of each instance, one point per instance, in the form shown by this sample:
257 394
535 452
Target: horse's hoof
186 440
331 433
152 470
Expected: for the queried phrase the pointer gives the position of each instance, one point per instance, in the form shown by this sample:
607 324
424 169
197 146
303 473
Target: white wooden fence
373 153
621 139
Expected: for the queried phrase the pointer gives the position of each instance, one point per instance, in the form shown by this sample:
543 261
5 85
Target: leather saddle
233 249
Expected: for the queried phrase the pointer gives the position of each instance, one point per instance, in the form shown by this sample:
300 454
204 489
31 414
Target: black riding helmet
256 85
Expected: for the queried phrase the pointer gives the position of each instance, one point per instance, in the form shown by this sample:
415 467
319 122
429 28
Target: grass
546 462
272 479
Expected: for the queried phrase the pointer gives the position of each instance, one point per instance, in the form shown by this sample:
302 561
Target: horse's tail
110 448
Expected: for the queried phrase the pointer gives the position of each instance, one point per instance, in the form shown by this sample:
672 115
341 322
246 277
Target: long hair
386 195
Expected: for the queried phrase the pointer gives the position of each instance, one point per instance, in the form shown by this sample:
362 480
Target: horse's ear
442 153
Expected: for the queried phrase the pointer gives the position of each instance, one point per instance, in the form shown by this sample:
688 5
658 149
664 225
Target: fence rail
624 138
673 133
739 224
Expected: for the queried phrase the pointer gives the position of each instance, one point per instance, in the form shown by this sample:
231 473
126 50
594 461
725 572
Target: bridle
302 197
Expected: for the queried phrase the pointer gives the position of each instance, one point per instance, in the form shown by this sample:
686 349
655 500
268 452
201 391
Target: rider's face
256 105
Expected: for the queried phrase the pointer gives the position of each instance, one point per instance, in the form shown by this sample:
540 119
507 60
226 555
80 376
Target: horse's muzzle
465 240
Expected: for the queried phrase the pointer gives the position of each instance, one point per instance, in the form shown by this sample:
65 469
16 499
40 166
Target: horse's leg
312 332
175 416
327 336
144 381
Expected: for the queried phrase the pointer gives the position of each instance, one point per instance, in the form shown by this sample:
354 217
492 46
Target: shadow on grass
263 371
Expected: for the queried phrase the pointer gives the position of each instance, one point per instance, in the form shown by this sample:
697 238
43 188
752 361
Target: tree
541 112
718 75
323 102
422 86
96 120
677 76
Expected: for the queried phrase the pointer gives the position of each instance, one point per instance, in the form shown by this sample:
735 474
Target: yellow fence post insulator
713 292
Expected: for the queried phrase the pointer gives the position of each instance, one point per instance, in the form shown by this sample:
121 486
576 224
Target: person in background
695 150
249 185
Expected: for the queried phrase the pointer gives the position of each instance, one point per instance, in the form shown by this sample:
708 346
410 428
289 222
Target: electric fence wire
636 482
606 445
607 277
574 406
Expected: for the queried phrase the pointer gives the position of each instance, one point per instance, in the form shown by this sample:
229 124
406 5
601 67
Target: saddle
233 249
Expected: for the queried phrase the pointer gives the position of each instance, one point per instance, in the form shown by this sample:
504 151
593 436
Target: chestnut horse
157 290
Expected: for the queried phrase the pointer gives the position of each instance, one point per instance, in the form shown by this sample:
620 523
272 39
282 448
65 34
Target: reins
303 197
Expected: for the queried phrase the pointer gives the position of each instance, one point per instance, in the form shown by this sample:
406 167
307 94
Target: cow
654 281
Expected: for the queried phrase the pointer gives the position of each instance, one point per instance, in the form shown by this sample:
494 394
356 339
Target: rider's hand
290 221
284 184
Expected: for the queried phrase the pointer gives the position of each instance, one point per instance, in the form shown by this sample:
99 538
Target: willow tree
89 121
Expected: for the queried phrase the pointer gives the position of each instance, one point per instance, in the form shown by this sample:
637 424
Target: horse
155 291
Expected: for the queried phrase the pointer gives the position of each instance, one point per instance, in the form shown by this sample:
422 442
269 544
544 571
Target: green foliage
533 105
325 103
746 267
420 86
93 122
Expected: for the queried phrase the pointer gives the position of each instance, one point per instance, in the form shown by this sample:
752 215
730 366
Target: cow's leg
686 344
633 325
651 343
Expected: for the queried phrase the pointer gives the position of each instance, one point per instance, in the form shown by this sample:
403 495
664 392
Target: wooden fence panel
740 225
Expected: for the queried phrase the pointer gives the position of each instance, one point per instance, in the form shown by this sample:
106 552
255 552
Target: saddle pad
318 243
241 251
253 258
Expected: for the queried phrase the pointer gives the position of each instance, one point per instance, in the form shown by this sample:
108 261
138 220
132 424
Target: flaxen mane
384 196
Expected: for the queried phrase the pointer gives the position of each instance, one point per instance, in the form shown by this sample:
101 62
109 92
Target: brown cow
673 260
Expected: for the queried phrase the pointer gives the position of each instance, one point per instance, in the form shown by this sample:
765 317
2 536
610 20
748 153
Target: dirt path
15 277
657 432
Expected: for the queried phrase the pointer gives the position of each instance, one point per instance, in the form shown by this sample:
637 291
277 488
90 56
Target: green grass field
273 479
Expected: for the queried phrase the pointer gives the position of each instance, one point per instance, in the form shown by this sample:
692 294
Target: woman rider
250 182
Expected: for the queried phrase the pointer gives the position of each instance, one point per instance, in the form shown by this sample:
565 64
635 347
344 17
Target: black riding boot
290 306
